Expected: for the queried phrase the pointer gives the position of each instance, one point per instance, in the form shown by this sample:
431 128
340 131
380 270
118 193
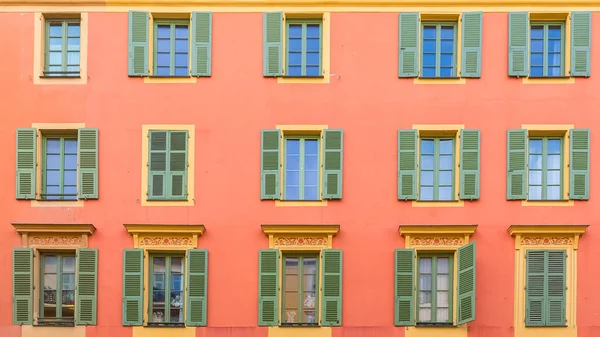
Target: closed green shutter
579 178
546 286
88 163
407 164
157 164
201 43
138 43
268 287
404 295
469 164
516 182
333 159
556 286
87 286
270 164
331 313
22 268
408 53
26 163
197 266
272 43
535 287
466 283
518 44
581 39
177 171
471 44
133 286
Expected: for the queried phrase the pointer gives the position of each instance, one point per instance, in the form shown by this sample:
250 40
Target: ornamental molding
547 241
437 241
165 241
55 241
300 241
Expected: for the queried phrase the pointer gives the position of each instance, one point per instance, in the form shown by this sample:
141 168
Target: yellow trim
416 230
523 230
440 17
191 129
275 331
30 228
417 80
569 80
557 203
291 203
454 331
300 229
154 80
47 331
547 16
142 331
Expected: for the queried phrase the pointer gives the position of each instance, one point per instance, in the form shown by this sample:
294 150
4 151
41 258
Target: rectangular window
438 49
435 288
300 289
546 288
436 169
171 48
166 280
302 168
59 178
168 165
545 168
303 47
63 47
57 286
547 49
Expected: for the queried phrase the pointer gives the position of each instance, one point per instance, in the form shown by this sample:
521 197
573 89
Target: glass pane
426 193
554 71
537 45
68 264
427 178
426 162
537 59
49 312
443 282
68 281
309 299
446 72
313 44
158 265
176 316
429 32
442 265
312 71
311 178
53 146
535 146
73 43
50 264
427 146
313 30
425 299
292 178
291 316
553 193
164 45
181 71
424 315
429 72
176 300
446 178
555 32
73 29
55 29
182 46
70 161
554 146
446 162
294 58
429 59
181 60
68 298
159 282
311 162
447 32
176 283
163 59
535 162
313 58
442 299
537 71
295 30
554 161
70 177
291 299
181 31
292 193
71 146
442 315
54 190
52 177
425 282
535 193
535 177
295 44
55 44
68 311
163 31
72 190
311 193
553 178
158 296
447 60
158 314
446 146
177 265
554 46
293 146
445 193
447 46
537 32
425 265
163 71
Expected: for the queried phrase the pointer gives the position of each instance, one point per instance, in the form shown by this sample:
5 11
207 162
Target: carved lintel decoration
437 241
546 240
55 240
166 241
300 241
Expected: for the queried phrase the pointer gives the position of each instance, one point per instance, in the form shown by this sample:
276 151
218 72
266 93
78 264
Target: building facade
299 168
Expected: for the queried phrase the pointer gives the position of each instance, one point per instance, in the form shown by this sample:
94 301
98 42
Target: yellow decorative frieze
301 241
545 241
55 240
157 236
56 236
436 237
300 237
165 241
437 241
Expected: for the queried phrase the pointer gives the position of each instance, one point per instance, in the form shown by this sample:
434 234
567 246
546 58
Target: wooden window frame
62 137
434 256
57 321
438 51
166 323
167 182
301 171
304 23
436 169
172 23
64 50
300 256
544 168
545 25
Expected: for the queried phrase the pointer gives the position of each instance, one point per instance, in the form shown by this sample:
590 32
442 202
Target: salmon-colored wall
365 98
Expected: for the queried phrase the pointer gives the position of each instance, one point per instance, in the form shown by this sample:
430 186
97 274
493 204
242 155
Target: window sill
440 77
437 203
302 79
548 80
165 325
547 203
300 203
61 77
299 325
169 79
65 324
158 76
159 200
439 80
290 76
434 325
57 203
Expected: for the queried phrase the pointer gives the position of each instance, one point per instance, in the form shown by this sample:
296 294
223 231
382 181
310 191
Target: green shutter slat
466 283
177 170
26 163
270 164
138 43
404 295
197 282
157 164
535 302
556 286
518 44
581 39
331 313
87 286
408 36
133 286
22 290
579 174
407 164
272 43
201 43
268 287
88 163
469 164
516 182
333 159
471 44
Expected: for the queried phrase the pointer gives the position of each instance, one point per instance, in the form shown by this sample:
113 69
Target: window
58 289
172 48
302 168
300 285
60 168
546 288
303 48
437 169
545 168
435 288
438 49
167 299
63 48
168 165
547 49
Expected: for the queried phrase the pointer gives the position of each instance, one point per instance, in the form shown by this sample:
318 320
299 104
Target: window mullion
172 51
168 289
436 169
62 168
438 50
545 50
544 167
59 282
300 288
434 262
455 51
301 170
304 33
65 48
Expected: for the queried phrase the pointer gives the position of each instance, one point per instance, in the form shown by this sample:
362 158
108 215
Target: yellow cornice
301 229
547 229
436 229
163 229
27 228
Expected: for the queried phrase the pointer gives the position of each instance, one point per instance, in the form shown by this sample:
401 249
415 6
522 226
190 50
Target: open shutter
157 164
26 163
471 44
177 170
272 43
556 286
516 182
518 44
469 164
404 295
407 164
535 288
333 159
581 36
201 43
197 266
268 287
269 164
22 285
88 163
331 313
579 178
466 283
87 286
138 43
408 53
133 286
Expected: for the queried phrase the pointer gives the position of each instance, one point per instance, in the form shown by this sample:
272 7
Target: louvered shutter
471 44
331 313
26 163
579 177
518 44
556 281
333 158
87 286
138 43
404 295
157 164
268 287
201 43
133 286
466 283
270 164
408 53
197 271
581 39
516 182
22 290
535 288
177 170
87 141
272 43
407 164
469 164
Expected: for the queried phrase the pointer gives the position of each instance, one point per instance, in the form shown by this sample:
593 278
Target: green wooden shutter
197 282
201 43
516 182
157 164
133 286
518 44
466 283
138 43
270 164
333 159
22 265
331 310
535 302
556 286
272 43
26 163
404 295
177 171
268 287
469 164
579 188
88 163
581 39
87 286
471 44
407 164
408 53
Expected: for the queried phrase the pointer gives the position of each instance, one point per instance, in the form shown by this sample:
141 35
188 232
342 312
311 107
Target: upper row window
172 41
438 52
547 49
63 48
303 48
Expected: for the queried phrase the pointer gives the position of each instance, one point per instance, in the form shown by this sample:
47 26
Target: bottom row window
167 298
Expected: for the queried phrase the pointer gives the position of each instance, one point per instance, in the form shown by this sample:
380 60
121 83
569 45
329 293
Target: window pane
442 315
446 72
426 193
55 29
424 315
181 31
311 162
447 32
535 177
446 178
429 72
292 178
429 46
176 265
295 44
535 162
553 178
537 60
429 59
537 32
554 161
52 177
311 178
537 45
442 265
68 264
164 45
50 264
427 178
312 71
163 31
446 147
426 162
158 265
70 161
554 146
295 30
425 265
182 46
442 301
68 298
447 60
535 193
71 146
311 193
313 44
158 312
313 30
443 282
554 32
447 46
181 60
292 161
445 193
73 29
535 146
425 282
70 177
446 163
313 58
554 46
163 59
427 146
553 193
55 44
70 190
